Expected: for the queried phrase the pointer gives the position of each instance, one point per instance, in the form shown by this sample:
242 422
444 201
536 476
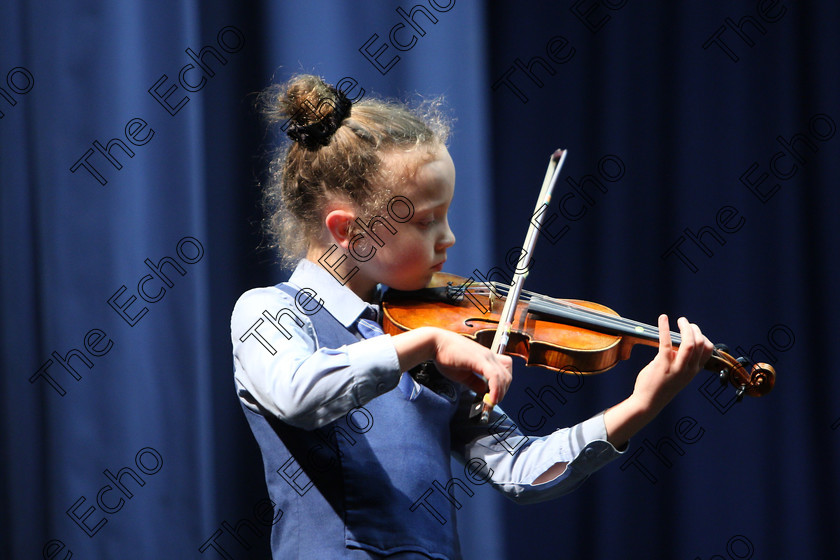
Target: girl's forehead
431 182
426 174
409 161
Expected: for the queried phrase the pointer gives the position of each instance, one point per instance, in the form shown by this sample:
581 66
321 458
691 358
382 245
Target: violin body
583 350
573 336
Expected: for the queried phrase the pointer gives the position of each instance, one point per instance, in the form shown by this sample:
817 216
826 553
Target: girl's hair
336 153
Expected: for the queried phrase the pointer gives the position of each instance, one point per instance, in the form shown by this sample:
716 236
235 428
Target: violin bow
500 340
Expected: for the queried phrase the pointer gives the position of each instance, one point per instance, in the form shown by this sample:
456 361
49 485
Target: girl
357 451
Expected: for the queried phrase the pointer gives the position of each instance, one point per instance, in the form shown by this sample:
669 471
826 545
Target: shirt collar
339 301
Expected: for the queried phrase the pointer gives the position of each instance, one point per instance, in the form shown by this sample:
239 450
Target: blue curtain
699 182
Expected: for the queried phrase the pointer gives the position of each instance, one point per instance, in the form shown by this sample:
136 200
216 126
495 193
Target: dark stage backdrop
701 181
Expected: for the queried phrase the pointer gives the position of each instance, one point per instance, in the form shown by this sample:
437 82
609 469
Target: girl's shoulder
264 313
253 303
265 294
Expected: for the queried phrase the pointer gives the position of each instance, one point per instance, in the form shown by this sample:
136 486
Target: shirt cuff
591 448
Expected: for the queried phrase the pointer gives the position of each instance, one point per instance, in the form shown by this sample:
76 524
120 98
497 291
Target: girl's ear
338 222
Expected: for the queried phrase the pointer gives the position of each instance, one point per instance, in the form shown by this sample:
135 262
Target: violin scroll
756 382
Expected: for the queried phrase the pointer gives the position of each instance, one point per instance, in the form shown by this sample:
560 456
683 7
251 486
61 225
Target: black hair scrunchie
314 135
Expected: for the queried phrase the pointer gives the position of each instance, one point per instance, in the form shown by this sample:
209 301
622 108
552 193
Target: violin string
601 315
616 320
589 315
598 317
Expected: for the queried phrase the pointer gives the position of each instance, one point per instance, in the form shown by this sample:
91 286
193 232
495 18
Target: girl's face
408 258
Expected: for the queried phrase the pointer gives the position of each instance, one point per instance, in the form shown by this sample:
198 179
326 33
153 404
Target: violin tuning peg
723 376
739 393
744 361
722 348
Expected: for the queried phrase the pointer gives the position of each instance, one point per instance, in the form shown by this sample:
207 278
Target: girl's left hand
660 381
671 370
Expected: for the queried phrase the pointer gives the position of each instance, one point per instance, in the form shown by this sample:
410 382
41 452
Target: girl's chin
413 284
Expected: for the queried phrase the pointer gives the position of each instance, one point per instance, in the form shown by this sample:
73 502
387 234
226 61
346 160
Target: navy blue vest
353 489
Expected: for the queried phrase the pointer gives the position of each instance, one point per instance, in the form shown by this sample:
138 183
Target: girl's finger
476 383
664 336
686 351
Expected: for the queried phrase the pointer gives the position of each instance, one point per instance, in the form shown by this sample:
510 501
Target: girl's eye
426 223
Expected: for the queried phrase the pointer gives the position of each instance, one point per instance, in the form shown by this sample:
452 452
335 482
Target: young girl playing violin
356 450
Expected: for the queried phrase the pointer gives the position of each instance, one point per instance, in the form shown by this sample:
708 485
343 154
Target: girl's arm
656 385
529 469
309 387
288 376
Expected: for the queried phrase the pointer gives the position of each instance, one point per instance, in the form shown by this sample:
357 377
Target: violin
566 335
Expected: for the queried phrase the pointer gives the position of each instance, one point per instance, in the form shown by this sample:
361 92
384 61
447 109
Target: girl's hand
660 381
458 358
671 370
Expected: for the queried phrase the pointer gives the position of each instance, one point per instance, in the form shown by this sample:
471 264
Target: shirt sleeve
290 377
499 452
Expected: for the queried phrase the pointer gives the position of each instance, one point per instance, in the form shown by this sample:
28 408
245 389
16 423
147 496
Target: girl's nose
448 240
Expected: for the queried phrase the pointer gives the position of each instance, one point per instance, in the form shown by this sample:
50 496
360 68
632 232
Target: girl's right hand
458 358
